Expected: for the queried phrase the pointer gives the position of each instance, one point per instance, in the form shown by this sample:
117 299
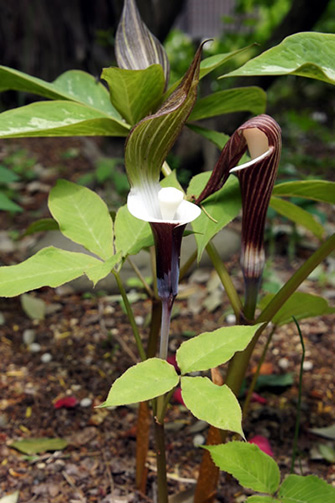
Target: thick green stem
225 280
255 377
295 281
239 363
189 262
130 315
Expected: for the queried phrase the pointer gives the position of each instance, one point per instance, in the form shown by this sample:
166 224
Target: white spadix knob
169 200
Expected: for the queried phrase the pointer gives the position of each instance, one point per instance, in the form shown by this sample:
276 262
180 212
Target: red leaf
68 402
262 443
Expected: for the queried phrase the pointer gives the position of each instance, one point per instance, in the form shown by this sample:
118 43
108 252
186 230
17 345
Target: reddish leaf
68 402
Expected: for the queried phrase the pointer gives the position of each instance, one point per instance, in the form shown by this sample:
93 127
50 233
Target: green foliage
215 404
252 467
304 54
301 305
135 93
142 382
206 227
210 349
257 471
83 217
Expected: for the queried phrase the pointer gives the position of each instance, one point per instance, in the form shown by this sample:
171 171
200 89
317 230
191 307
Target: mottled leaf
59 118
307 54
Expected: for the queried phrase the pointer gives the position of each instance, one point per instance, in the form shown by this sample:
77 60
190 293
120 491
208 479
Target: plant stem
138 273
187 265
239 363
297 423
130 315
295 281
255 377
225 280
165 328
161 462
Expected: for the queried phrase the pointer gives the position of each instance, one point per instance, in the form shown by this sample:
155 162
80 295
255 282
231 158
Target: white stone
35 347
46 357
284 363
28 336
231 319
307 365
85 402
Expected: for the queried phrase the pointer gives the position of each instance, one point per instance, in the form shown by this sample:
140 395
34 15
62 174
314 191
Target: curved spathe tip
155 204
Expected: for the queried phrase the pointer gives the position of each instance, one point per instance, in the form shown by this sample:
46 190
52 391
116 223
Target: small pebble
85 402
198 440
46 357
307 365
139 320
284 363
231 319
35 347
28 336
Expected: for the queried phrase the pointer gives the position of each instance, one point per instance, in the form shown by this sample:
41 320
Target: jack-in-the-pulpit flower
261 136
164 208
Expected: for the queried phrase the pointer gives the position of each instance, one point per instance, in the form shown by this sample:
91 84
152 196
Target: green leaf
83 217
48 267
297 215
301 305
219 139
274 381
135 93
142 382
59 118
33 306
211 63
305 54
248 464
249 99
44 224
102 269
7 204
151 139
223 206
39 445
131 234
317 190
261 499
309 489
210 349
73 85
10 498
7 175
215 404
